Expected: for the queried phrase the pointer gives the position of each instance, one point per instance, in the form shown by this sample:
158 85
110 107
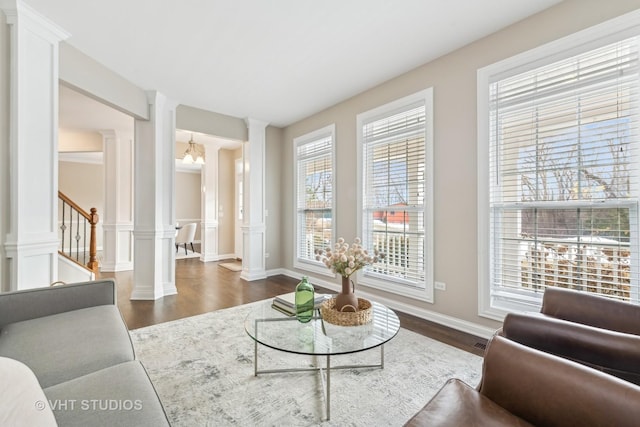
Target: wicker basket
346 318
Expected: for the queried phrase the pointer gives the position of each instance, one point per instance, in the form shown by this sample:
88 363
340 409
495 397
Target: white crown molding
96 158
16 10
188 167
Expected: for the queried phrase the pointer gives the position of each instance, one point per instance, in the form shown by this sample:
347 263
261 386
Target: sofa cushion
63 346
22 401
121 395
458 404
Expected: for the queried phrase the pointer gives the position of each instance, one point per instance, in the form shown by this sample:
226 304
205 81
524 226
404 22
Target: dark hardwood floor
204 287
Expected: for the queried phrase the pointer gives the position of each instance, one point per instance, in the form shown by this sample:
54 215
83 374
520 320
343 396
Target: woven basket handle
350 306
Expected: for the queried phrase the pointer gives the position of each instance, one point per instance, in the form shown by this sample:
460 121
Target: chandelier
193 154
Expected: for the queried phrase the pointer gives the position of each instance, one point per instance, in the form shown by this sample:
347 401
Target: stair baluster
83 244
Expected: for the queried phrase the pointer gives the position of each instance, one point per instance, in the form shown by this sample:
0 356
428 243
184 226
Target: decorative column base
253 262
158 279
117 247
209 241
33 264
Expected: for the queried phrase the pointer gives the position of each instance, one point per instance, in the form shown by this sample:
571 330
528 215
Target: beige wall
79 141
188 199
226 201
84 184
453 78
275 165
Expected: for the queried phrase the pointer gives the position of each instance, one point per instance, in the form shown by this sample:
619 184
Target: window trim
311 266
388 284
600 35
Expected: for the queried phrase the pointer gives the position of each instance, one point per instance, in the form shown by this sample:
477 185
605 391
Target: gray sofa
66 357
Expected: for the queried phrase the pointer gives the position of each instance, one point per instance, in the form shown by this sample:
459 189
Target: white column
253 227
209 225
154 196
117 218
5 58
31 242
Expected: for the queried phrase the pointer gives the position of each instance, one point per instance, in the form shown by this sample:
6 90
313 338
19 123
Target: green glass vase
304 300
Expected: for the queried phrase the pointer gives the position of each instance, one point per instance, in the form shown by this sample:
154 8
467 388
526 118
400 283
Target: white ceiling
278 60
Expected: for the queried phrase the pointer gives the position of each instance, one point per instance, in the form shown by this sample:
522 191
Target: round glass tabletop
274 329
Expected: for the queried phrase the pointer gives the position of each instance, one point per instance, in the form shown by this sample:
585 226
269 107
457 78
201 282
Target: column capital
16 10
255 122
108 133
154 97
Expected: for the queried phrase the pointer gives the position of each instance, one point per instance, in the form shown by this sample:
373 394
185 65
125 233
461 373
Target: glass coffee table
271 328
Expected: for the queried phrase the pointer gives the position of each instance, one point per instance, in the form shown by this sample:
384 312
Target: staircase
77 236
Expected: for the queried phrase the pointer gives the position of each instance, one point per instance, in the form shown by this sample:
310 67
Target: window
561 204
314 184
394 143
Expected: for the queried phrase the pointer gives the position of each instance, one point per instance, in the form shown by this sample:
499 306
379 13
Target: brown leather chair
522 386
591 309
599 332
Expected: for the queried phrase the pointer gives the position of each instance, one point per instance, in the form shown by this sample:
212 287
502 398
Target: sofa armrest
29 304
544 389
609 351
592 310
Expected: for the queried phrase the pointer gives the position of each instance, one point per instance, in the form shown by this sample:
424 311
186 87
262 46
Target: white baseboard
250 276
122 266
278 271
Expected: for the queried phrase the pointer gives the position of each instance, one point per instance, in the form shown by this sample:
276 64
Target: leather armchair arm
33 303
457 404
612 352
592 310
544 389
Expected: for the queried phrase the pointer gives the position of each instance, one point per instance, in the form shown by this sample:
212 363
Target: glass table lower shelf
273 329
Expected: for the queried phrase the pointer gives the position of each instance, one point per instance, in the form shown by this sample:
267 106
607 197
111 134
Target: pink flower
346 259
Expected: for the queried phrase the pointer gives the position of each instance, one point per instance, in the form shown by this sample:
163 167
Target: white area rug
190 254
202 368
233 266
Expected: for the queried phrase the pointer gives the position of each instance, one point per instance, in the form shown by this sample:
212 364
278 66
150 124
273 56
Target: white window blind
393 151
314 194
564 177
